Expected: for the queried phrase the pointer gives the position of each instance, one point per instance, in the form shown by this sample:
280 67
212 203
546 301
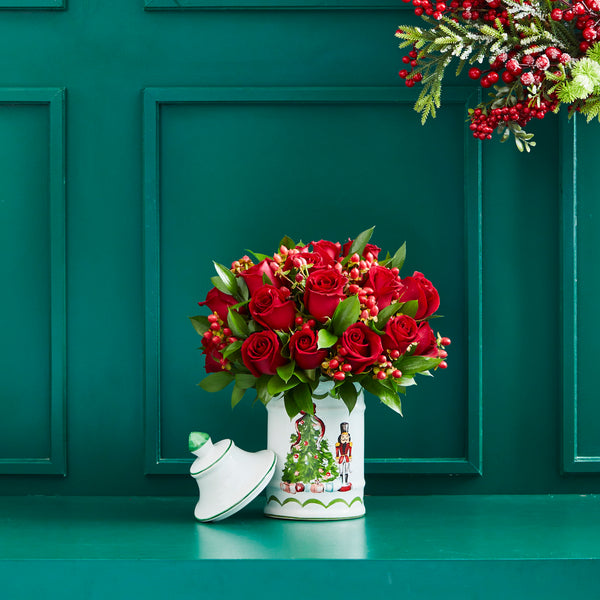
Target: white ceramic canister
320 460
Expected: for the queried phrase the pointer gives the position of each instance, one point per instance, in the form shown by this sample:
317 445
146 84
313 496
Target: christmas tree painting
309 460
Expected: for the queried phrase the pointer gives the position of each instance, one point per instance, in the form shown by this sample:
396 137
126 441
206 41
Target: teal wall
140 142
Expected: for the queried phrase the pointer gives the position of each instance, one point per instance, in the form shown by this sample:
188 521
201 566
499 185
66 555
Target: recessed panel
238 176
588 292
25 302
281 4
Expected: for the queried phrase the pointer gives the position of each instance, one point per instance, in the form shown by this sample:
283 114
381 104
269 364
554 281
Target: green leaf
416 364
410 308
387 396
303 398
325 339
358 245
245 380
237 324
287 242
266 279
236 395
277 385
243 291
216 381
304 376
216 281
261 389
291 408
349 395
231 349
387 313
201 324
397 261
346 313
286 371
227 277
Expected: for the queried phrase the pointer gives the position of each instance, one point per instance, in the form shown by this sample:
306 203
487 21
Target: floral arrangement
542 54
319 312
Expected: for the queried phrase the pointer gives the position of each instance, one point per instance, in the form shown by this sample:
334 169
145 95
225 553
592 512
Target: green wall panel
261 4
32 243
581 286
31 4
229 169
501 407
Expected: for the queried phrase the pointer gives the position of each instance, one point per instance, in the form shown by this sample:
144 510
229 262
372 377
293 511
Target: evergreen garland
542 55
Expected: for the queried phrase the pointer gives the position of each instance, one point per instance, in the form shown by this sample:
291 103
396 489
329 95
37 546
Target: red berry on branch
396 374
413 54
381 375
443 365
406 59
339 376
474 73
403 73
493 77
507 77
417 77
445 341
589 34
568 15
410 83
485 82
556 14
346 368
584 47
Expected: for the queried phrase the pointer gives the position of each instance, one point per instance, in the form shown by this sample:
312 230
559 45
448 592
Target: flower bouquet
540 55
319 312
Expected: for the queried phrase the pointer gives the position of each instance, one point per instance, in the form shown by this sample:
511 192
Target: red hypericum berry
298 320
443 365
334 363
474 73
396 374
339 376
395 354
346 368
556 14
381 375
299 277
445 341
442 354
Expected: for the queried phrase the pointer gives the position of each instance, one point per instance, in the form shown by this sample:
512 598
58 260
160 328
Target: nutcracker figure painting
343 455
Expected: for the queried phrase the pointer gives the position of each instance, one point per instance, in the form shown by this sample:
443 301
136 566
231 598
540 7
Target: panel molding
153 98
56 463
276 4
572 462
33 4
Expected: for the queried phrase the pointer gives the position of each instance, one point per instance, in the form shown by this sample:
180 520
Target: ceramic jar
320 460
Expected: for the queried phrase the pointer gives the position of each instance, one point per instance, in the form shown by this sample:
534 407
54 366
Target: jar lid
228 477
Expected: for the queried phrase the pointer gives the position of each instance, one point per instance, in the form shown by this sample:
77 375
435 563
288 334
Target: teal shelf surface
394 529
415 548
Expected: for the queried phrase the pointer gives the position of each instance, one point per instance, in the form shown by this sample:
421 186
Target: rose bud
270 307
261 353
303 349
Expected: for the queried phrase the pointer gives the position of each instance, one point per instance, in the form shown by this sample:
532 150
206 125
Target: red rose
271 307
330 251
420 289
426 341
214 358
362 346
386 286
374 250
254 275
324 291
303 349
219 302
315 260
400 333
261 353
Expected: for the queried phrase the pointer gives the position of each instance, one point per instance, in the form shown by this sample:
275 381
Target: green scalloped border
314 501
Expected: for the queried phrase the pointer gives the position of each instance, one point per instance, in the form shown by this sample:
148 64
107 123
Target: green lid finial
197 440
